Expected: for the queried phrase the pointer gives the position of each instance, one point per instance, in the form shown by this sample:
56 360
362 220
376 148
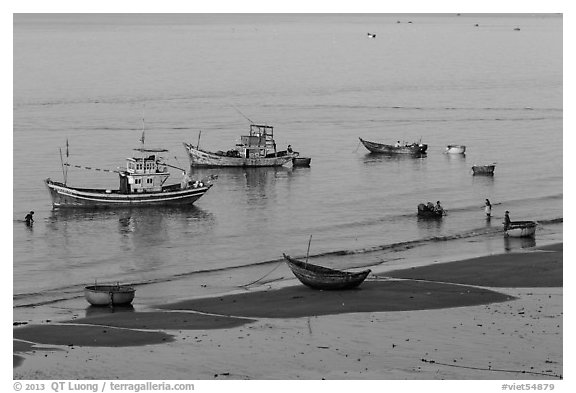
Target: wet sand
497 325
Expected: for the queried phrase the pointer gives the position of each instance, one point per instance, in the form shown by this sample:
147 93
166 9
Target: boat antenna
198 144
308 252
142 137
64 166
243 115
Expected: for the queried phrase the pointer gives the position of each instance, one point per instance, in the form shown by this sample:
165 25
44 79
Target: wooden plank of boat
206 159
521 229
109 295
487 170
319 277
455 149
414 148
66 196
301 161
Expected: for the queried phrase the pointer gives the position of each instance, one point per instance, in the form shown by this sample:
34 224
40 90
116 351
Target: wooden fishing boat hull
206 159
301 161
109 295
486 170
414 149
455 149
65 196
425 212
521 229
319 277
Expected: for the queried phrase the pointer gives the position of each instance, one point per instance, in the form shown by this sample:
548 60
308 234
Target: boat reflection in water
518 243
94 311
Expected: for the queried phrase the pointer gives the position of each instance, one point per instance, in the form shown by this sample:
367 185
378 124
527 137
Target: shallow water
321 83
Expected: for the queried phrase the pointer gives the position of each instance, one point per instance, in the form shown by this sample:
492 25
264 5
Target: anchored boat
258 149
413 148
319 277
428 211
521 229
142 183
486 170
455 149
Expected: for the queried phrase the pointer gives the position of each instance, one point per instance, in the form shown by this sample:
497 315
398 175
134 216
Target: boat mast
308 252
64 170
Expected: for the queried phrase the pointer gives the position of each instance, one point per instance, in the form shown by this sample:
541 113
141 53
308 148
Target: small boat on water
486 170
301 161
455 149
319 277
141 184
413 148
109 295
521 229
428 211
258 149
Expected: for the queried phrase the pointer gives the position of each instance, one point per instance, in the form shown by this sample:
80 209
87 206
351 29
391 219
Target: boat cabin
145 173
259 144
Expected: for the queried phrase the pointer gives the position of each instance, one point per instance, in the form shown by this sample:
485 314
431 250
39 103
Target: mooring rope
91 169
264 276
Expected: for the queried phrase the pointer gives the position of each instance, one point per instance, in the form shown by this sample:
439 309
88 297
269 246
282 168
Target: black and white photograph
301 196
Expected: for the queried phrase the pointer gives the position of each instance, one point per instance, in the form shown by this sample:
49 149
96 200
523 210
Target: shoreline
250 323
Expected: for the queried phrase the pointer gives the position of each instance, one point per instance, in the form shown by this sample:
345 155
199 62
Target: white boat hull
201 158
109 295
455 149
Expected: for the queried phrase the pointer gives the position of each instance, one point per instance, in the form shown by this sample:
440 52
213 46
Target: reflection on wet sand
517 243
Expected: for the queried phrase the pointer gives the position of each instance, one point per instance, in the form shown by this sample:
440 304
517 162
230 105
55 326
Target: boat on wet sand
486 170
319 277
521 229
142 183
109 295
258 149
413 148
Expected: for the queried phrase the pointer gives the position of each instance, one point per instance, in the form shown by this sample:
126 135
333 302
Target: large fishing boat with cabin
142 183
258 149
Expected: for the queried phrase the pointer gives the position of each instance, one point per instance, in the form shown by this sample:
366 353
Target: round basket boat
109 295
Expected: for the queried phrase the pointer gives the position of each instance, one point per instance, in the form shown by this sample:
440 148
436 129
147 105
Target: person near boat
397 144
488 209
438 208
185 180
506 220
289 149
29 218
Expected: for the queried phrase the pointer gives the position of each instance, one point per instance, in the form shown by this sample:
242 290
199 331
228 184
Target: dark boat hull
64 196
486 170
425 212
414 149
319 277
301 161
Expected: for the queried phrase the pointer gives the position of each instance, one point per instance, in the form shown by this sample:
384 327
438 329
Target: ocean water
98 80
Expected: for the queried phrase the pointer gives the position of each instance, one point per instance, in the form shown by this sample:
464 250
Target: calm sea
98 80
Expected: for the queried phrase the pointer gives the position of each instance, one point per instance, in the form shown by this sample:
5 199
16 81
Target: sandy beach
493 317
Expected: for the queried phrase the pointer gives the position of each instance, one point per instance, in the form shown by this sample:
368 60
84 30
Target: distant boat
319 277
521 229
455 149
413 148
301 161
370 35
258 149
109 295
516 29
428 211
486 170
141 184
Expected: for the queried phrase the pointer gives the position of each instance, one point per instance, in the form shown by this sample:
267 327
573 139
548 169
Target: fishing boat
319 277
486 170
301 161
413 148
521 229
455 149
142 183
428 211
109 295
258 149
